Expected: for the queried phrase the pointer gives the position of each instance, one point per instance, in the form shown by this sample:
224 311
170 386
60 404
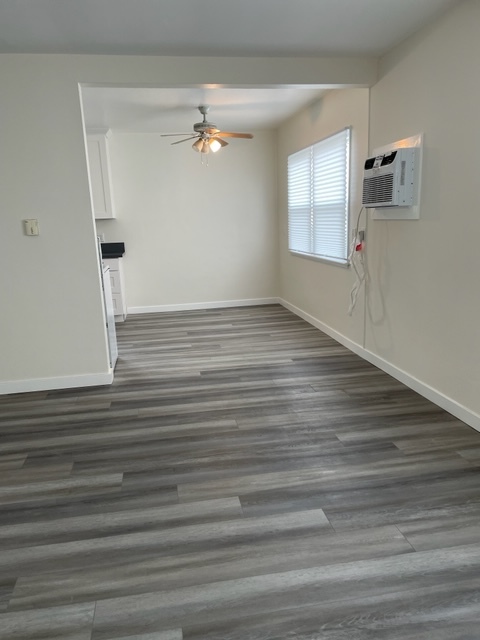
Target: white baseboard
64 382
192 306
445 402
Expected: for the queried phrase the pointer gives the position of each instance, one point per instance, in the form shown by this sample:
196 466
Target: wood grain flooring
244 478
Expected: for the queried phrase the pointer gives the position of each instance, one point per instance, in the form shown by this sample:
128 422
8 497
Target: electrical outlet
361 235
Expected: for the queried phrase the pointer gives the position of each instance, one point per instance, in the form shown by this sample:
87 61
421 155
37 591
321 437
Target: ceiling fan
206 135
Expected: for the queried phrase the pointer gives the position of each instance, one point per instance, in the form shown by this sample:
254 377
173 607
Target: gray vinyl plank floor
244 478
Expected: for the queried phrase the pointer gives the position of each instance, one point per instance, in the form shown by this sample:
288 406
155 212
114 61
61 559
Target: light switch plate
31 227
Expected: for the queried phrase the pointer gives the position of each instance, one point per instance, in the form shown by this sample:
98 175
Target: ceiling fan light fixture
201 145
197 145
207 136
214 145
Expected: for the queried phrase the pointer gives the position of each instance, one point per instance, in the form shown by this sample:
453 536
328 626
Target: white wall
194 233
52 331
423 301
51 305
424 298
319 289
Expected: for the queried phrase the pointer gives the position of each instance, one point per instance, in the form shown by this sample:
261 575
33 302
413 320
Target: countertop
112 249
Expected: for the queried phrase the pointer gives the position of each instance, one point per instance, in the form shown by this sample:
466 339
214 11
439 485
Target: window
318 204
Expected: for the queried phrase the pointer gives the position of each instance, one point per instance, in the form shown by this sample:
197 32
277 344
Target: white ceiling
211 27
170 110
207 28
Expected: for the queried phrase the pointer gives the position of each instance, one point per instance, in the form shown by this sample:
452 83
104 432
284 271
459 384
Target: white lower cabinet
118 288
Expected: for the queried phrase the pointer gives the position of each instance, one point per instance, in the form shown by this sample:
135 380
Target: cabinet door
117 303
115 282
99 172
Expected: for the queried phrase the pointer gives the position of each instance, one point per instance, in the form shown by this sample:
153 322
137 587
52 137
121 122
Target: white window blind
318 178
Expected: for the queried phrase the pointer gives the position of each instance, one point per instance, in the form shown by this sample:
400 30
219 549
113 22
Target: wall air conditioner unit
389 179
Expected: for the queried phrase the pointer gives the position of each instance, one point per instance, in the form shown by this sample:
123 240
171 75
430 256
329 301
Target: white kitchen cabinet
118 288
100 176
110 316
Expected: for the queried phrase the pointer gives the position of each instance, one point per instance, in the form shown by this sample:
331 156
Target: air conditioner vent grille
389 179
378 189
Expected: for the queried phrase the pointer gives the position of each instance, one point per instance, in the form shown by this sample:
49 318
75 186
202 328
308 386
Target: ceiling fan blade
166 135
223 143
232 134
185 140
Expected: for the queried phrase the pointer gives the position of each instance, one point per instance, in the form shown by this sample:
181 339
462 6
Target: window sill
332 261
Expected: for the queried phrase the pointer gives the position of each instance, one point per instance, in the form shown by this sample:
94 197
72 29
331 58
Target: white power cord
357 260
